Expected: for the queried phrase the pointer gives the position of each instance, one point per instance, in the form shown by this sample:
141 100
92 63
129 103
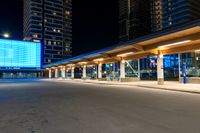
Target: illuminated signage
19 54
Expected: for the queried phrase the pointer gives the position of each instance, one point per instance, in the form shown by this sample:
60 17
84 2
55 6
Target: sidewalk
169 85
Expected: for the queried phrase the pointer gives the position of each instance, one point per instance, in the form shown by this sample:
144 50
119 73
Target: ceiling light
99 59
176 43
82 63
125 54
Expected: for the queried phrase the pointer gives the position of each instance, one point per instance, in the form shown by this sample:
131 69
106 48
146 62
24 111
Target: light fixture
176 43
197 50
123 61
125 54
161 55
82 63
6 35
99 59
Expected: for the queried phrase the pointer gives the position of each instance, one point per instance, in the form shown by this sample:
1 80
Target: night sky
95 23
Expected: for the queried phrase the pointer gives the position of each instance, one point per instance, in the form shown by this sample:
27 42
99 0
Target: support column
50 73
122 69
84 72
63 72
139 69
56 72
99 71
160 69
72 73
179 65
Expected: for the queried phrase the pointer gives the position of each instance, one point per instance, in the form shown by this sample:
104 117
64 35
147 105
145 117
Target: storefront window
91 72
192 61
131 68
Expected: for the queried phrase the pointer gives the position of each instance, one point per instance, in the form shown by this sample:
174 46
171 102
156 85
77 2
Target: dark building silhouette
176 12
134 19
49 22
141 17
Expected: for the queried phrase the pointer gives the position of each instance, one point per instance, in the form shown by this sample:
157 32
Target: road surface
70 107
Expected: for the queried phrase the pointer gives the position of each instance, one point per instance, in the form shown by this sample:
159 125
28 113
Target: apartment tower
49 22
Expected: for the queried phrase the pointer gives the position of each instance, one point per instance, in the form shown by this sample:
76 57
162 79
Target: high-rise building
140 17
134 19
176 12
49 22
156 15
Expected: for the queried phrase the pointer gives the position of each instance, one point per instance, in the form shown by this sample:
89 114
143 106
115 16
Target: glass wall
20 75
171 67
192 61
111 71
91 72
59 73
148 68
131 68
68 73
78 72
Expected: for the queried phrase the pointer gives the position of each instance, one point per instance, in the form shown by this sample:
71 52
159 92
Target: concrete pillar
63 72
99 71
50 73
84 72
160 69
179 65
56 72
72 73
139 69
122 69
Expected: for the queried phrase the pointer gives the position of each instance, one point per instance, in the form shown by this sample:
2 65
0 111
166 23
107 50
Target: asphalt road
57 107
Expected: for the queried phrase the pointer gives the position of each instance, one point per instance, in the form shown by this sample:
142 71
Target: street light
6 35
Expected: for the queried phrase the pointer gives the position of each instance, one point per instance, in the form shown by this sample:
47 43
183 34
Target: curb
158 88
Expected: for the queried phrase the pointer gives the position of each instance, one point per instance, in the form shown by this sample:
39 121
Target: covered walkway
172 55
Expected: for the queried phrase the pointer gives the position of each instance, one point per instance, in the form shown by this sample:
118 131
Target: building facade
20 59
138 18
134 19
176 12
49 22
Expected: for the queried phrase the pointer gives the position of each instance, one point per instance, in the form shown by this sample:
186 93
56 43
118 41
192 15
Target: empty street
43 106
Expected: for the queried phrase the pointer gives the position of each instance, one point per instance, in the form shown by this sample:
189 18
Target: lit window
35 36
54 13
67 12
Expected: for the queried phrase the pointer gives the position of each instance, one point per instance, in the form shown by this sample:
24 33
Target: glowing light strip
99 59
177 43
82 63
125 54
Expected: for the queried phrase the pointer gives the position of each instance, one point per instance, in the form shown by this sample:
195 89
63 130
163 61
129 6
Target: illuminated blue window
20 54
